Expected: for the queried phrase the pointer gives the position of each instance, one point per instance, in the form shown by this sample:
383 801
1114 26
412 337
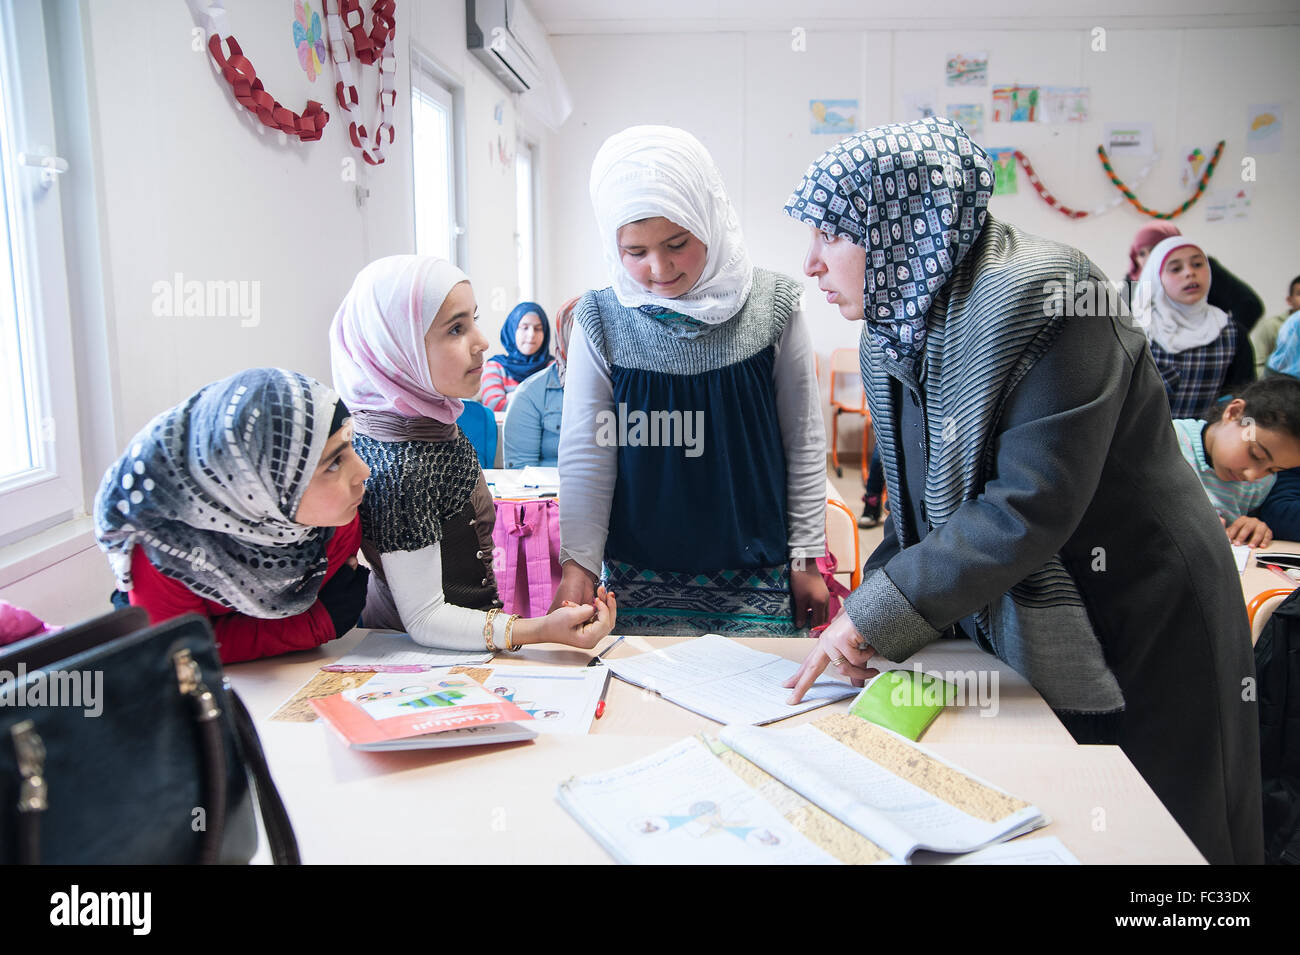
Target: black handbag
122 743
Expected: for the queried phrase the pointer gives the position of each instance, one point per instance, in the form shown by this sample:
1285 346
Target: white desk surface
496 804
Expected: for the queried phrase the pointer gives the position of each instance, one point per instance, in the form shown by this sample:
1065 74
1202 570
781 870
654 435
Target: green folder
904 701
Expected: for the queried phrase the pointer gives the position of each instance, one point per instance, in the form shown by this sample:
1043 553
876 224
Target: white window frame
52 491
429 79
526 247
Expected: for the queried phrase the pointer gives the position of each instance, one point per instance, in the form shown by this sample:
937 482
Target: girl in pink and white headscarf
406 349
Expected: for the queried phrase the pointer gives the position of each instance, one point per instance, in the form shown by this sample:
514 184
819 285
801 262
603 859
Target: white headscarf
1173 326
648 171
377 340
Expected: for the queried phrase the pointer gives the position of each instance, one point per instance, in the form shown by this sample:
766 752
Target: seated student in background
240 504
526 338
532 428
1229 293
1197 349
1264 336
712 521
1238 448
405 349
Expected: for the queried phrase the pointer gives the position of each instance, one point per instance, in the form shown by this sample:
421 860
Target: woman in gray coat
1040 505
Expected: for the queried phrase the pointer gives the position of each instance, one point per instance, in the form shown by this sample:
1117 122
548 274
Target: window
433 138
40 454
525 235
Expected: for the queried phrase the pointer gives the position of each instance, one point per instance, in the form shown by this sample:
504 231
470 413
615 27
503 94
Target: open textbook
840 790
725 680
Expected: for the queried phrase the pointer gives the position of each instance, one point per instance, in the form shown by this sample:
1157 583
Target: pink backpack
526 557
827 566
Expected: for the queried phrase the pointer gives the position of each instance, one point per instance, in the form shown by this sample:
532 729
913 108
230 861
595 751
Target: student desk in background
1257 578
496 804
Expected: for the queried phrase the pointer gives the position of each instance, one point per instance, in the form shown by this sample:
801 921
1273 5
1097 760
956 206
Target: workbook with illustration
840 790
421 711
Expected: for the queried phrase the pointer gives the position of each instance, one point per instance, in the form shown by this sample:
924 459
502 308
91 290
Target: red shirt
241 637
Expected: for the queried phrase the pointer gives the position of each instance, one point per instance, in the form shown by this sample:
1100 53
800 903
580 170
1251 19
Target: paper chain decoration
369 48
1061 207
1137 204
238 71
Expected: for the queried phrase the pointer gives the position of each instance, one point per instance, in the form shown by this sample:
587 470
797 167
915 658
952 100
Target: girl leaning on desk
1039 501
240 504
406 349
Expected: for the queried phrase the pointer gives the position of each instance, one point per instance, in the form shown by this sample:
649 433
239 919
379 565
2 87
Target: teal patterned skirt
753 602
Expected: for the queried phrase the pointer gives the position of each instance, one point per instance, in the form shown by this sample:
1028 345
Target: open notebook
840 790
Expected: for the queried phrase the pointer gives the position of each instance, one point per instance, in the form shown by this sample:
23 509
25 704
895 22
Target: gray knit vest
629 338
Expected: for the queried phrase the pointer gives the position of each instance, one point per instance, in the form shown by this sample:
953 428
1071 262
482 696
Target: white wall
746 95
191 183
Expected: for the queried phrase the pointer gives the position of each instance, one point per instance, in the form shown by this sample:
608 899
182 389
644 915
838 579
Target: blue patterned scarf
914 195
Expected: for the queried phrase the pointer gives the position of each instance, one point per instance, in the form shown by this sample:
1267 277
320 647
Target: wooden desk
496 804
1256 578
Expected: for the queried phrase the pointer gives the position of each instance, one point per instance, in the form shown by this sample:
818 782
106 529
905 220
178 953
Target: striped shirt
497 386
1232 499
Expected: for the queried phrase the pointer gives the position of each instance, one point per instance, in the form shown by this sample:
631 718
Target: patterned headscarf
563 329
915 196
518 365
209 490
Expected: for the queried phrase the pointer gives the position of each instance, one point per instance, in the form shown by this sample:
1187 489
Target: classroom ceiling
694 16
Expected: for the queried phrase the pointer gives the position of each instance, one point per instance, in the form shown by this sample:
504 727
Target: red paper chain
369 48
237 70
383 27
1043 194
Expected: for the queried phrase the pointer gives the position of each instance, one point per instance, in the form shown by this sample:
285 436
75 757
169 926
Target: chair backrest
842 540
480 426
845 374
1261 607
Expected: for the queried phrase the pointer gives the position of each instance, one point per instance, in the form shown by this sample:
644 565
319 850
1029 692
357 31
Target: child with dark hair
1239 447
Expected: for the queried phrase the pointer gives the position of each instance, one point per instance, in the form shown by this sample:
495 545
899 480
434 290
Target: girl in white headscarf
406 350
1194 343
692 452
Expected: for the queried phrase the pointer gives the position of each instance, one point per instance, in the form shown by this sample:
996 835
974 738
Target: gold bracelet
487 631
510 626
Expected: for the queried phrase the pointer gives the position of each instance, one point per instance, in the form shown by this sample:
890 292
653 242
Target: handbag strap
279 831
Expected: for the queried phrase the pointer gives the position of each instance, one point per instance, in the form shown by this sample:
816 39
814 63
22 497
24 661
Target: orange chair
844 361
842 541
1261 607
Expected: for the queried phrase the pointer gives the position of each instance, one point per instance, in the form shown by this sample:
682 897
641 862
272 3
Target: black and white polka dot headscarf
915 196
209 489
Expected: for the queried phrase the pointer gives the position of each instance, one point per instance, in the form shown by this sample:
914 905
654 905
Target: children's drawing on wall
970 116
919 105
309 38
968 69
1015 104
1064 104
1193 163
1264 128
501 154
1128 139
1004 171
1227 204
836 116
